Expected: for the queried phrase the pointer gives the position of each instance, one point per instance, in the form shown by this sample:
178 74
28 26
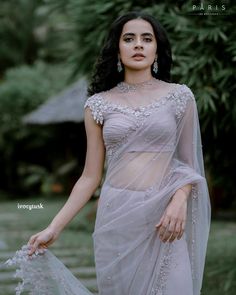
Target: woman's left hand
172 223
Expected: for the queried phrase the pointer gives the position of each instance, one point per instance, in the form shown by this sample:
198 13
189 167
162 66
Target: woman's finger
33 248
168 234
181 231
160 222
162 231
171 230
32 239
180 235
37 244
176 232
172 237
164 228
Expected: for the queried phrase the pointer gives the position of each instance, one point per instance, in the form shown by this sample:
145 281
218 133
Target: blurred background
47 52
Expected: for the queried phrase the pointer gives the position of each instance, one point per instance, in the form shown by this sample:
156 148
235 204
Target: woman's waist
138 170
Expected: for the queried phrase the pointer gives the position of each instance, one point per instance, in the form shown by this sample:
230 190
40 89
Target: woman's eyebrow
143 34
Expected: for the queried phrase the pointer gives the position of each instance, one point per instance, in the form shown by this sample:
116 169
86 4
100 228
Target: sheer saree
152 149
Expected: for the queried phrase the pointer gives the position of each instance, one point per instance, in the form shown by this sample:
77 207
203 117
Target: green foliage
48 181
26 87
220 270
23 89
31 30
17 24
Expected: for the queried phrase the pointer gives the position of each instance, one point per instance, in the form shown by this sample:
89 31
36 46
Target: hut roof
66 106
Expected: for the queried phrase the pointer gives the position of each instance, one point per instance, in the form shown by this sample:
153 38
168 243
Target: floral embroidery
28 272
98 105
180 98
36 277
111 149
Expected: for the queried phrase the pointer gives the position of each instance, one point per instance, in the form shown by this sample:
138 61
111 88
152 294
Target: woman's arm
82 190
90 178
172 223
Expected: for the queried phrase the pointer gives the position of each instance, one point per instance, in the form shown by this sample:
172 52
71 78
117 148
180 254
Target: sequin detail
126 87
194 213
160 285
99 106
112 149
43 274
28 272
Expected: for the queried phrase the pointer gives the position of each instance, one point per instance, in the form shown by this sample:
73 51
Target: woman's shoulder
93 100
183 99
95 103
181 91
176 91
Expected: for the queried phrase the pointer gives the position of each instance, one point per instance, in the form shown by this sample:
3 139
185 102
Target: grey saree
152 149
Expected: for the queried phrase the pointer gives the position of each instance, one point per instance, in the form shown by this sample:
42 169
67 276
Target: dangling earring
119 65
155 65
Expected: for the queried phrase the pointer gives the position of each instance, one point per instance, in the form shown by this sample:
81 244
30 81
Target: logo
201 7
209 9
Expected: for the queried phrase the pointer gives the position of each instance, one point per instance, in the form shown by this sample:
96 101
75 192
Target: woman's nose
138 43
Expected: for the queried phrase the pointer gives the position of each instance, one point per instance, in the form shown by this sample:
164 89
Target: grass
220 269
17 225
22 223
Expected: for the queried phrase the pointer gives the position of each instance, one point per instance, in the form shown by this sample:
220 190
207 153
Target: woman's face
137 45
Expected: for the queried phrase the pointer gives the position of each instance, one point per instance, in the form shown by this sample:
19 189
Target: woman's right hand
42 239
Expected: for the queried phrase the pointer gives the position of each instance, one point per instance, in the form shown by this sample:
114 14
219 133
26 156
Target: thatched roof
66 106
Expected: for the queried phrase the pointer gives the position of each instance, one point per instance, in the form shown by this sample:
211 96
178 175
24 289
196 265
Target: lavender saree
152 149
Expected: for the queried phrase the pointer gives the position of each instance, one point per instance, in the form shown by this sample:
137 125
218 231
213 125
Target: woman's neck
136 77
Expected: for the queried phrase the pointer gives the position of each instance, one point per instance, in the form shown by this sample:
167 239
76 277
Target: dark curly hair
105 74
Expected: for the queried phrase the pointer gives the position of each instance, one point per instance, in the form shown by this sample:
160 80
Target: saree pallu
151 152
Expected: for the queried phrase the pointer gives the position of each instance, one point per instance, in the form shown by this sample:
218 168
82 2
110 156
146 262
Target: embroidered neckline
125 87
141 108
99 105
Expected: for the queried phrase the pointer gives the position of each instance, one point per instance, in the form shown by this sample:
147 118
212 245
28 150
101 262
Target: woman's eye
147 39
128 39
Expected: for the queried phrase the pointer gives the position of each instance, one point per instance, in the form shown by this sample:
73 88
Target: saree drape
151 151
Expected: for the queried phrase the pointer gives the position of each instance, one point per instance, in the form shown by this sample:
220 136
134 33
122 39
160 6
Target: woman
153 214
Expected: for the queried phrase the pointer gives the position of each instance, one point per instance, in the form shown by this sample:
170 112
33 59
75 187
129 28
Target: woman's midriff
139 171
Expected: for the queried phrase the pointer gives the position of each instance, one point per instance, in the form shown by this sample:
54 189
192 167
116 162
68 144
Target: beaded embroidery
28 272
126 87
41 273
97 106
100 106
160 285
194 211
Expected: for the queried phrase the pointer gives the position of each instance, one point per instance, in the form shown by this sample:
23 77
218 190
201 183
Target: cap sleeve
96 105
182 98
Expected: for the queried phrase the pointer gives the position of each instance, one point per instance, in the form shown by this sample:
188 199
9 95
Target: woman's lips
138 56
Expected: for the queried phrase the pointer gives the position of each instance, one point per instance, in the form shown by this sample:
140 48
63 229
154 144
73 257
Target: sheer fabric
152 149
44 274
